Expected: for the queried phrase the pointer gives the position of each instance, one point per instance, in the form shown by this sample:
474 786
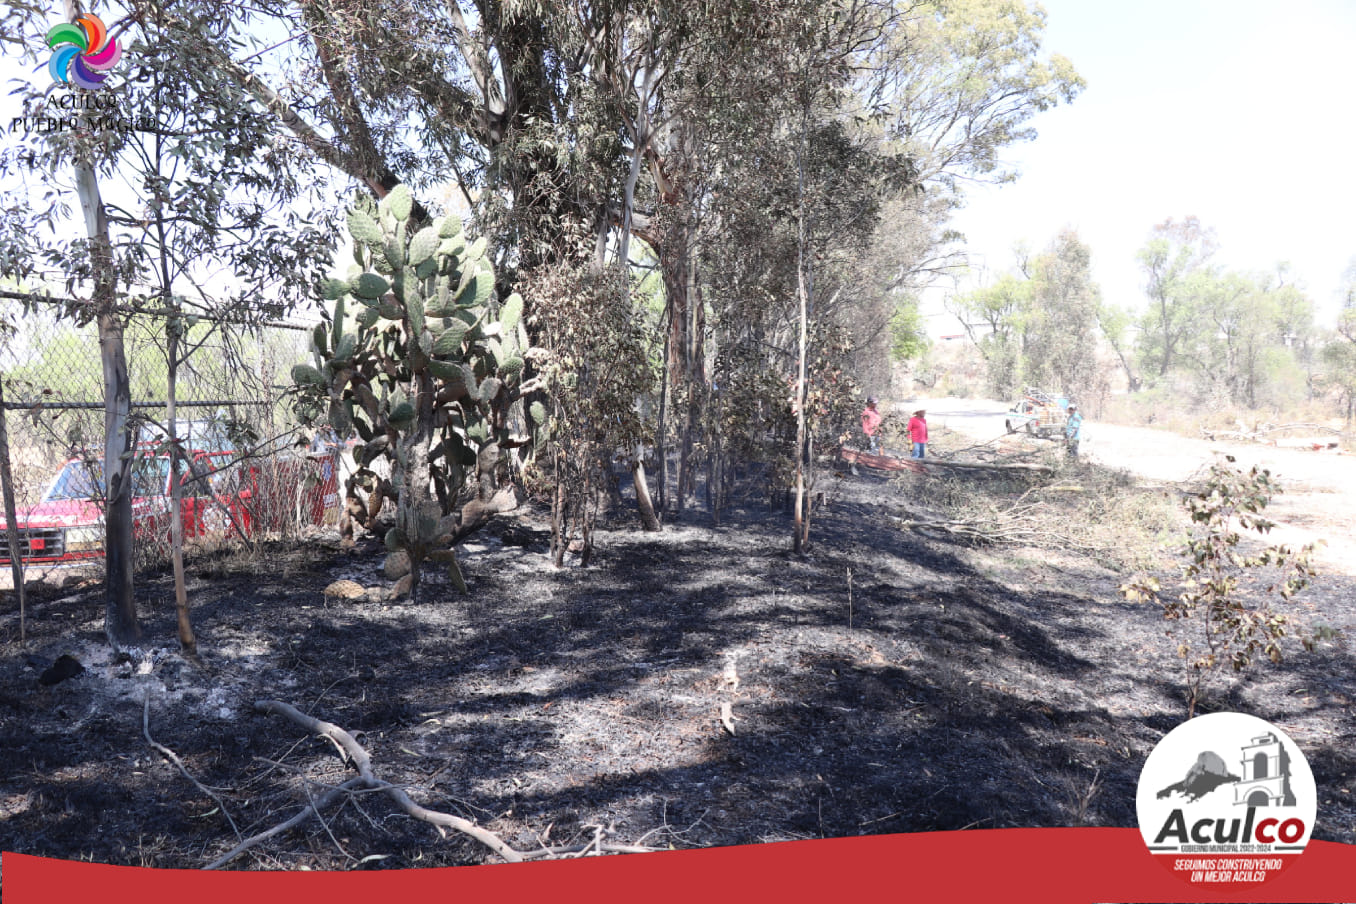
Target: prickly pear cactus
426 372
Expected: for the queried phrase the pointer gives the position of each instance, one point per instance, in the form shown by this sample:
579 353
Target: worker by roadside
918 433
871 418
1073 431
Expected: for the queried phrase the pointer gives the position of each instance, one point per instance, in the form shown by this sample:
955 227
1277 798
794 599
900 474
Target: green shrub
1229 593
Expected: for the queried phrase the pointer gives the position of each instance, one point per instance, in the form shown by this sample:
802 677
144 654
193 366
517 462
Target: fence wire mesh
230 392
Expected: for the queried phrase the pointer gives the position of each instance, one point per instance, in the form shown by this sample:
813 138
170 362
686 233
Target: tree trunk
187 641
16 562
639 142
673 258
694 360
1167 339
413 488
660 437
120 617
801 523
120 620
648 519
559 519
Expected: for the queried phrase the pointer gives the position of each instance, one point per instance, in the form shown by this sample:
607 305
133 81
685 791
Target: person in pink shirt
918 433
871 419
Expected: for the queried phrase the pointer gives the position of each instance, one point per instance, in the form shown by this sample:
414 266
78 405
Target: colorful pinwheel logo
83 51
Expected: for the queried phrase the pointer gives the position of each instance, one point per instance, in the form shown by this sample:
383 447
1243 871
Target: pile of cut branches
1088 509
1028 520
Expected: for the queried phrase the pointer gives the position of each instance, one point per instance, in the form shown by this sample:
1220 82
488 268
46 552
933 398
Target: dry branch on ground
356 755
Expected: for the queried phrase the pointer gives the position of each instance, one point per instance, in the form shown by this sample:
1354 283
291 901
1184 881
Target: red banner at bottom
1047 865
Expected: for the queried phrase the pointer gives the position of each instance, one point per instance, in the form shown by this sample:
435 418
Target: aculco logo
1226 799
1218 831
83 51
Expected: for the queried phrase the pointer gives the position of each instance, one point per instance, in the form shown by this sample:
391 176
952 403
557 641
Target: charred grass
897 680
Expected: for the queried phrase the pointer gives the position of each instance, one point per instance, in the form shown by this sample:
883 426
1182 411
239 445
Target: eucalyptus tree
1339 359
995 317
1177 270
1256 328
1115 322
924 95
1038 326
181 181
961 81
1238 319
1060 343
912 248
1338 353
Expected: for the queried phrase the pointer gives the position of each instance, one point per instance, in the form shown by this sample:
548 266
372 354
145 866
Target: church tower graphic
1266 775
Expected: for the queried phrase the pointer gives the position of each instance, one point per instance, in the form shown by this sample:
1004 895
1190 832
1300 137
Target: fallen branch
1262 432
967 530
982 466
1273 428
174 758
879 462
313 809
727 717
361 760
600 847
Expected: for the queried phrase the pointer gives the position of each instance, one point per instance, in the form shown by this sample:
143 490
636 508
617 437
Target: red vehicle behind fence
221 494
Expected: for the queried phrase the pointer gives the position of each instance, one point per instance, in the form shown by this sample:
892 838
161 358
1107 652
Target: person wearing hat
871 419
918 433
1073 430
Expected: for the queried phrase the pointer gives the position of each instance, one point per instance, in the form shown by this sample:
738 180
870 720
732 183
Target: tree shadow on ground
923 695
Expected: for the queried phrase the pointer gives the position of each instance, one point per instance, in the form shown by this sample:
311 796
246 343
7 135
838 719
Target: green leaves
333 289
511 313
477 249
348 344
441 303
1233 626
477 291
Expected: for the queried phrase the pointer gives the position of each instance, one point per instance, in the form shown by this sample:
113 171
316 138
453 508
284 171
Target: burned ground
891 682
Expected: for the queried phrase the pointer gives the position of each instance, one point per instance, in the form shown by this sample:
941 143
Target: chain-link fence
250 469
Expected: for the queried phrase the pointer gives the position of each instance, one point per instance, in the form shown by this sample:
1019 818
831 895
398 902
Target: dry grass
1166 409
1079 506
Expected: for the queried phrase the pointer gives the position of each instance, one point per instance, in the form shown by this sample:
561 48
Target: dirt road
1319 499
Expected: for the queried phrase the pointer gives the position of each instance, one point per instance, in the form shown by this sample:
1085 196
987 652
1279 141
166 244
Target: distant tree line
1206 335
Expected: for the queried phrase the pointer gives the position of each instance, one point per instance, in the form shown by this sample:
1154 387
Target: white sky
1240 112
